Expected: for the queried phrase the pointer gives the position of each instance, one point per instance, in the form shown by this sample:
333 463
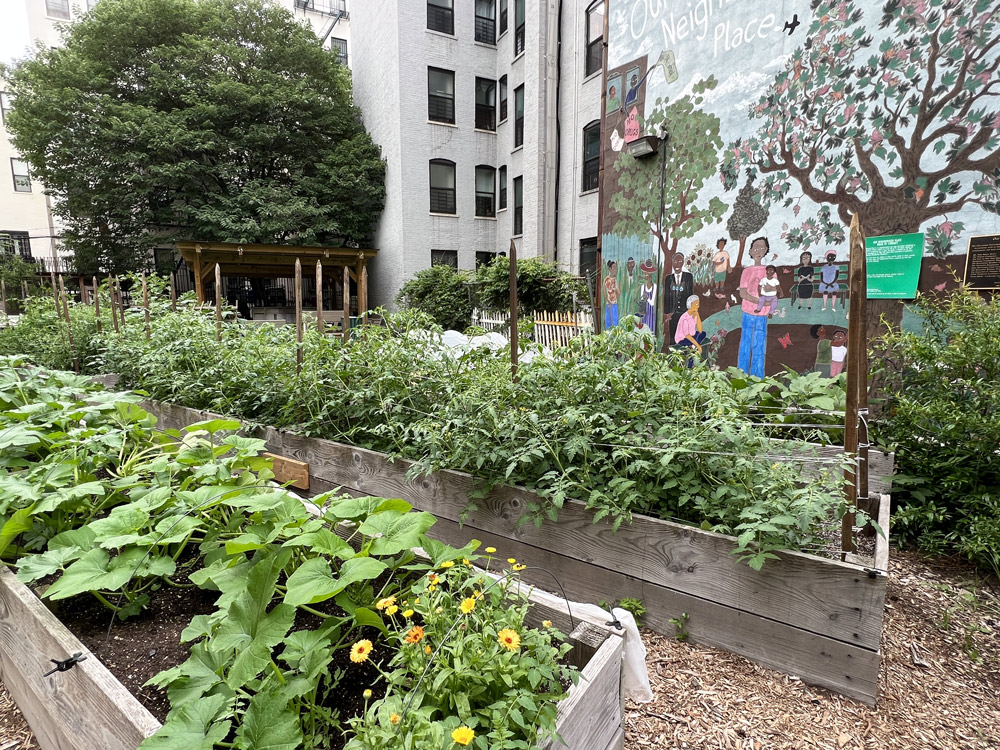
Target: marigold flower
511 560
546 623
387 602
394 718
519 567
427 648
466 561
490 550
360 651
415 635
509 639
432 577
467 605
462 735
367 694
391 609
477 594
447 563
407 613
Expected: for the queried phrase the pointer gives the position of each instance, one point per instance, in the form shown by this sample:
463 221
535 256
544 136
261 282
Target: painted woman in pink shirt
753 333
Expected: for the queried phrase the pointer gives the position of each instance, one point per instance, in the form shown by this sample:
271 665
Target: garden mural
782 121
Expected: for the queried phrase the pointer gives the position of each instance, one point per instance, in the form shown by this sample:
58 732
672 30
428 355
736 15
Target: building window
339 47
518 27
486 25
327 7
91 4
588 258
441 16
442 186
591 155
595 37
440 95
503 98
22 181
486 113
503 188
518 205
503 17
57 9
445 258
5 104
519 116
484 258
485 195
13 242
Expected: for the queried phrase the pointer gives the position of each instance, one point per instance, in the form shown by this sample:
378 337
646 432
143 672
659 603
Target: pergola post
199 281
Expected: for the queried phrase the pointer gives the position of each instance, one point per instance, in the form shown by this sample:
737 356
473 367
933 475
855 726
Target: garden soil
939 682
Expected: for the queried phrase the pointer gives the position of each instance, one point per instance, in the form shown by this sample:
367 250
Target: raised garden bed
87 708
816 618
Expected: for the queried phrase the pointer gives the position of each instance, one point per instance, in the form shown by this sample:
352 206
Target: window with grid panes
518 27
518 205
22 180
503 17
591 155
441 95
57 9
339 46
441 16
485 195
503 188
442 180
445 258
503 98
15 242
595 37
486 112
486 24
518 116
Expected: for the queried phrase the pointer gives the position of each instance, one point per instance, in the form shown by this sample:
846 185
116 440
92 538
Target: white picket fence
552 329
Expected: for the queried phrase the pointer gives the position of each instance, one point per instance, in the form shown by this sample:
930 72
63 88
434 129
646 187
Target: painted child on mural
838 352
769 288
611 296
722 265
823 354
753 333
828 284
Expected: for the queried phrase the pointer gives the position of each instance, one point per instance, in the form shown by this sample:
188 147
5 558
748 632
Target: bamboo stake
347 303
319 296
513 311
97 305
173 294
69 325
145 303
298 316
855 344
218 303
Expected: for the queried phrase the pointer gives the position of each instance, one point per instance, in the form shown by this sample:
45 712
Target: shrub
440 292
942 418
540 286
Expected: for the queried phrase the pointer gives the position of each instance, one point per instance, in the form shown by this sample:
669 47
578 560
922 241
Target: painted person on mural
629 283
690 331
753 334
611 296
678 285
823 354
722 265
804 280
649 295
828 284
838 352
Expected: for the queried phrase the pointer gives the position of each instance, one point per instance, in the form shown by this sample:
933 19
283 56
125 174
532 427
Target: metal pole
319 296
855 345
298 316
218 303
513 311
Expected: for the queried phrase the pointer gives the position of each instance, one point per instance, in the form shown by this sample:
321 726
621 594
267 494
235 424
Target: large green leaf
19 522
323 542
193 727
19 436
269 724
396 531
314 582
97 571
354 508
195 678
60 497
120 528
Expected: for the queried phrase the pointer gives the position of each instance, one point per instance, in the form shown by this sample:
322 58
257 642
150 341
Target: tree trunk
739 257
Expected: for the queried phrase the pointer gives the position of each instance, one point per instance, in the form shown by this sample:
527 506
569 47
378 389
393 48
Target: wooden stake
347 303
218 303
173 294
513 311
84 298
69 325
319 296
97 305
24 290
145 303
363 295
298 316
855 346
121 301
111 296
3 296
55 292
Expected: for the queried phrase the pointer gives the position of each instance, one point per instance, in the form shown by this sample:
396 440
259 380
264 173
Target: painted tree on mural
903 135
748 216
690 159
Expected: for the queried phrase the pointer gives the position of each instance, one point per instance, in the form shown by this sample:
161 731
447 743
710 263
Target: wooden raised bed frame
815 618
87 708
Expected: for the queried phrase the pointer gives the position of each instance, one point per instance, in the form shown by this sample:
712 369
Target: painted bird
790 26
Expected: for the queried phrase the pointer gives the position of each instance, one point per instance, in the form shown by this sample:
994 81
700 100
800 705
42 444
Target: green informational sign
894 265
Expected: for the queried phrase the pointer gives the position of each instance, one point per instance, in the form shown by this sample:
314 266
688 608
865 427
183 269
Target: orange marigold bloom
387 602
462 735
394 718
509 639
360 651
415 635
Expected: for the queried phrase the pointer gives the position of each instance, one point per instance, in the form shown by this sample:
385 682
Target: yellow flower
407 613
391 609
509 639
447 563
511 560
367 694
477 594
387 602
546 623
463 735
394 718
417 600
490 550
519 567
360 651
427 649
467 605
465 561
432 587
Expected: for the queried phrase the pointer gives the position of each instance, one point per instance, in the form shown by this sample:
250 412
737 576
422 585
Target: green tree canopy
219 120
440 292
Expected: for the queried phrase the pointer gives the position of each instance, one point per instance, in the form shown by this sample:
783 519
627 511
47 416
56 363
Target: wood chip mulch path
939 683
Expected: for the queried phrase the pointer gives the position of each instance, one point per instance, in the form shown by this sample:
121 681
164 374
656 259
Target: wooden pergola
275 262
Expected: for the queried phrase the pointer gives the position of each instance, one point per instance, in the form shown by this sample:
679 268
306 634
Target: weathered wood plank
882 543
81 709
290 471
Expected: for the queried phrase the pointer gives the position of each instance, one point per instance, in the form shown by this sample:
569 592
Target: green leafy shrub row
94 500
942 419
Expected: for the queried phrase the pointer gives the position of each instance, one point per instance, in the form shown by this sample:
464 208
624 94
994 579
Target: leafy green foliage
942 419
440 292
541 286
205 119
